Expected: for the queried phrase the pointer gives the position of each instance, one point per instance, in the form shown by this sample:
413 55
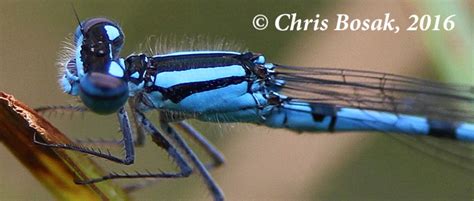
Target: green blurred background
262 164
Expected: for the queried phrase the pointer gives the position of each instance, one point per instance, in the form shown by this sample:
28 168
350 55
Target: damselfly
228 86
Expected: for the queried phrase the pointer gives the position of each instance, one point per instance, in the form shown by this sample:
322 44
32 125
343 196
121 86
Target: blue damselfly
228 86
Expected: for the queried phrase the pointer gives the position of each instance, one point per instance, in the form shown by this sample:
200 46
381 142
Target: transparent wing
379 91
389 93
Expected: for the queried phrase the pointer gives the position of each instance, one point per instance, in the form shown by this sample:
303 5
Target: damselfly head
94 69
103 87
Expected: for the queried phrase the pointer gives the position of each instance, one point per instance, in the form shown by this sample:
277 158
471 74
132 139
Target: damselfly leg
216 156
126 139
138 139
159 139
200 167
166 142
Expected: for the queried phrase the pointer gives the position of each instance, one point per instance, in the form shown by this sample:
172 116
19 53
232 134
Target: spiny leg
184 127
138 140
74 109
140 136
127 143
217 157
161 141
211 150
211 184
53 108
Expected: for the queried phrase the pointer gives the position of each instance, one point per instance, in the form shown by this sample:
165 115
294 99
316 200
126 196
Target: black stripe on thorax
209 55
444 129
187 62
179 92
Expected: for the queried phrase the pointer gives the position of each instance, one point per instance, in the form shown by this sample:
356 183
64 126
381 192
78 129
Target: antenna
77 17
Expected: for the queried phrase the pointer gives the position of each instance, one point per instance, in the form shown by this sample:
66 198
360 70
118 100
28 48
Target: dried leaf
54 168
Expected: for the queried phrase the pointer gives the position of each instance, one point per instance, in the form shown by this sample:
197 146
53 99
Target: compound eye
102 93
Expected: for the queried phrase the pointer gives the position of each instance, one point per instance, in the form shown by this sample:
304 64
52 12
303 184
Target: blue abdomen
312 117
